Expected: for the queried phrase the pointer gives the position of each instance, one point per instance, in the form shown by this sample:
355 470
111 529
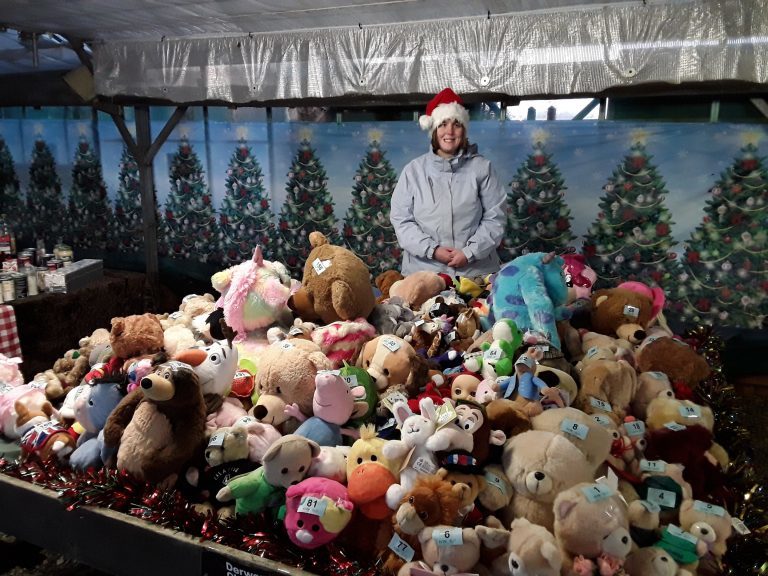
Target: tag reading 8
574 429
447 536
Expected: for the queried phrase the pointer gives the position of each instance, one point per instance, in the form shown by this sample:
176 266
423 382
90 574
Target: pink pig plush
317 510
333 404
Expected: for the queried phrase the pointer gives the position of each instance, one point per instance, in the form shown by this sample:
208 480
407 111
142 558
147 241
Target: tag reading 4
401 548
448 536
313 505
574 429
661 497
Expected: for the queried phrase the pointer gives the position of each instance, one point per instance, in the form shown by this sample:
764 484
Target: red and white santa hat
446 105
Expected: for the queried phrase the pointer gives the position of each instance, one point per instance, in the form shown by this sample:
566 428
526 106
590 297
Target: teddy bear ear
552 555
563 508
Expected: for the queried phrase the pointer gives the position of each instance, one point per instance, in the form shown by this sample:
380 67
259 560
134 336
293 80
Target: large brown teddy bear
621 312
159 427
684 367
286 375
336 284
137 335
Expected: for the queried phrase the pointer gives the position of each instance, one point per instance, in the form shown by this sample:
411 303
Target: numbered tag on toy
496 481
284 345
493 354
448 536
330 372
419 322
658 375
674 426
321 266
176 315
424 465
636 428
677 532
401 548
739 526
445 414
653 465
542 348
434 308
663 498
295 331
602 420
217 439
450 337
631 311
597 492
592 352
245 421
390 400
600 404
390 344
574 429
690 411
351 380
313 505
4 388
708 508
652 507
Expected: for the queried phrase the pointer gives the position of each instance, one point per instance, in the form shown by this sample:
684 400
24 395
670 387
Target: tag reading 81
312 505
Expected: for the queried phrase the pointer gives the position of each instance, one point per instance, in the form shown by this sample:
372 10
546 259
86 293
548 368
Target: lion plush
335 285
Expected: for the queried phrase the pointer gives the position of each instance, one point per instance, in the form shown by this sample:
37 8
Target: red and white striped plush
342 341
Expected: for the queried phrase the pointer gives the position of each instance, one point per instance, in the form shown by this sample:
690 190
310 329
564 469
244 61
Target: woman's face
450 135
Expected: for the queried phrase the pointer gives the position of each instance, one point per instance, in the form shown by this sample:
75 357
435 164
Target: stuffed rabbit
414 431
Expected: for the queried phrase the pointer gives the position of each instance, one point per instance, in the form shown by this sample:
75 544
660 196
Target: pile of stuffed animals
520 424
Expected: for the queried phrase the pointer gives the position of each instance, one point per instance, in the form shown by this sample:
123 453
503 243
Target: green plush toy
285 463
498 356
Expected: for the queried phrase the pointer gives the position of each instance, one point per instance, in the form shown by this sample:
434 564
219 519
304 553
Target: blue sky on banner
690 157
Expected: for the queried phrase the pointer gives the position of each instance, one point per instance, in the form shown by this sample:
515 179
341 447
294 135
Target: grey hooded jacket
456 202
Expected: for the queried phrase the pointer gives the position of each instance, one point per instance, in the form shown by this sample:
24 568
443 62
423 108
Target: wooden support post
143 150
587 109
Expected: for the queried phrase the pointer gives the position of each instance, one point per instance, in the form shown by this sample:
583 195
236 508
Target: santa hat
446 105
655 294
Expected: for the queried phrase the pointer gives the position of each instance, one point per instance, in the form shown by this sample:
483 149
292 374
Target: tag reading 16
401 548
313 505
574 429
448 536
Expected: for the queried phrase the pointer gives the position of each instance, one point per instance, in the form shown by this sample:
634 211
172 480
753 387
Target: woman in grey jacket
448 208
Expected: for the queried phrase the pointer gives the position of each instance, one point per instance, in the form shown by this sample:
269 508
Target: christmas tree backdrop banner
667 192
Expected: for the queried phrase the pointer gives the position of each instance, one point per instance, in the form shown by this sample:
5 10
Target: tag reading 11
653 465
313 505
448 536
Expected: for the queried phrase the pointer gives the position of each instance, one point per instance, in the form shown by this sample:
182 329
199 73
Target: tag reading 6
448 536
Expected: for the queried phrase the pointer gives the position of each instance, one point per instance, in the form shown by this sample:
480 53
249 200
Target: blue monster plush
531 291
92 408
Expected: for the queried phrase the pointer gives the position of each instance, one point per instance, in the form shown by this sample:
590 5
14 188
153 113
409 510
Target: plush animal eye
301 469
453 482
457 391
410 500
472 394
386 371
315 528
423 515
367 363
373 458
278 390
90 402
471 487
359 460
457 422
215 359
284 471
300 523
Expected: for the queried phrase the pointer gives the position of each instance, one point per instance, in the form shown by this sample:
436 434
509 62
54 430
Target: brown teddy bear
70 369
417 288
159 427
621 312
336 284
682 364
384 282
137 335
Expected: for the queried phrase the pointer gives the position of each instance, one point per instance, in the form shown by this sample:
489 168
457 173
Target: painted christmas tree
245 218
308 207
89 210
129 219
631 240
190 226
724 278
367 229
538 220
11 203
45 205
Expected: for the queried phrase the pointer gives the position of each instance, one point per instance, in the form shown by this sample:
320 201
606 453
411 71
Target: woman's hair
462 147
